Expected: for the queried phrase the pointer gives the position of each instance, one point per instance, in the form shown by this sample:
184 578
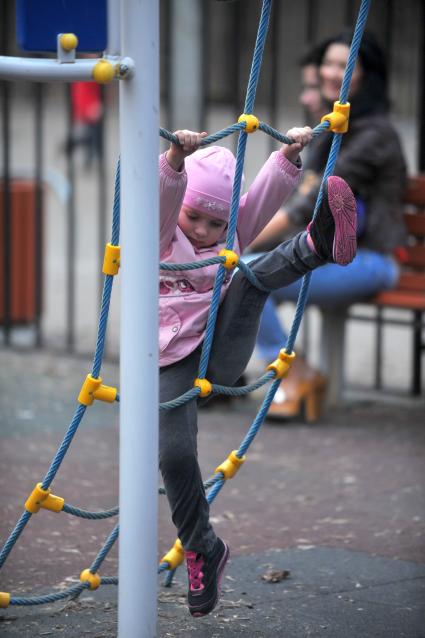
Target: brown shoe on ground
300 395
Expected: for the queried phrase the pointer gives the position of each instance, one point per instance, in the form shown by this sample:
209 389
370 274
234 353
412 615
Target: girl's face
332 69
201 229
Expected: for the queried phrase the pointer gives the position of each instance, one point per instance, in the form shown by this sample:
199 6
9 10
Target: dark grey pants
235 334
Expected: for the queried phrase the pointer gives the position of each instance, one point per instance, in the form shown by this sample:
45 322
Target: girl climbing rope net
195 199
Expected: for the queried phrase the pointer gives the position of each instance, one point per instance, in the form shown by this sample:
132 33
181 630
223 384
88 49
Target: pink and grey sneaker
333 230
205 573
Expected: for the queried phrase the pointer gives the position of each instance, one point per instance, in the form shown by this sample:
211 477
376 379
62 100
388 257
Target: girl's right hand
301 136
189 142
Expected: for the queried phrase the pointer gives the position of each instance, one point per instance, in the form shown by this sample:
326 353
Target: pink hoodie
185 296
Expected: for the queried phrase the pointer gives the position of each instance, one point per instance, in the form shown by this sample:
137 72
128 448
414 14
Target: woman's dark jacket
372 163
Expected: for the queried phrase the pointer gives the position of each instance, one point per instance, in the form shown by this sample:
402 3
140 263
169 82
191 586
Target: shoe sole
342 205
220 571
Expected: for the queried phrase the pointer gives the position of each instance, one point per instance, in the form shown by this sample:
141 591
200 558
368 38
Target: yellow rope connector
338 119
87 576
111 259
282 364
175 556
231 465
93 389
204 385
251 122
103 72
43 498
68 41
232 258
36 498
4 599
53 503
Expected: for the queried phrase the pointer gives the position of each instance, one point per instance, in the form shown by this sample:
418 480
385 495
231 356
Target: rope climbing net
93 388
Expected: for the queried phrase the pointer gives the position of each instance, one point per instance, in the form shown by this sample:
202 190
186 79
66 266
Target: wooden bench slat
415 224
415 257
413 281
415 192
400 299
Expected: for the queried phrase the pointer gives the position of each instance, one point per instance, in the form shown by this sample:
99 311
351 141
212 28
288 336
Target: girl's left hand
302 137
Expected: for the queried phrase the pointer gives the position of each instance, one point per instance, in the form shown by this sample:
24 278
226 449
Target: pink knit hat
210 174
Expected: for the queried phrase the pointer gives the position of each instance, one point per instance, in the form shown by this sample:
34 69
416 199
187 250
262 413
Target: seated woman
371 161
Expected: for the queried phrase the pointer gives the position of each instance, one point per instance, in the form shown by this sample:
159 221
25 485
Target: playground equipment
138 405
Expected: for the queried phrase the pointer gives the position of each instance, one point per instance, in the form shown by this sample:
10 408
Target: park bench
409 295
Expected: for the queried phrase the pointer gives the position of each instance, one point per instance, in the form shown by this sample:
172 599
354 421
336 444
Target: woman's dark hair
311 56
373 93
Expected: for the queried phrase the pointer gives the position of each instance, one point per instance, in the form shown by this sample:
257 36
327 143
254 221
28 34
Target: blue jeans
330 285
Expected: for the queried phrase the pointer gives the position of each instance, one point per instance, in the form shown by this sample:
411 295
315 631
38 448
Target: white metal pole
114 30
186 65
43 70
139 123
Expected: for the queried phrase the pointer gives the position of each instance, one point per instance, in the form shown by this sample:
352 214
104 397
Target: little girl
195 195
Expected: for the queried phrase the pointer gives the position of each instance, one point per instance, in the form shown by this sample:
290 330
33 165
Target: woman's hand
302 137
189 142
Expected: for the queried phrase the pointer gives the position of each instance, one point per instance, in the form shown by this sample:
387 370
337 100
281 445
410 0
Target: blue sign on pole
38 23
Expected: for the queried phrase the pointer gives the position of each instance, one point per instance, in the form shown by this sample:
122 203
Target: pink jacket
185 296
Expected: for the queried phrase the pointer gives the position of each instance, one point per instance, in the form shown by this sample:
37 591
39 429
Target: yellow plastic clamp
103 72
68 41
36 498
231 258
53 503
87 576
231 465
282 364
111 260
4 599
251 122
204 385
339 117
175 556
93 389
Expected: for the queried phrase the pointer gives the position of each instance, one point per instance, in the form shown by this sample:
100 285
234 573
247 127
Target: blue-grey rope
192 265
109 580
243 390
251 276
70 592
108 281
115 235
336 144
58 458
13 536
76 511
210 139
105 549
181 400
80 410
354 49
103 320
269 130
74 590
234 207
258 56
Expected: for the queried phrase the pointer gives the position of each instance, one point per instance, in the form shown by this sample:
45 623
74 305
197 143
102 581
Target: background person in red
87 110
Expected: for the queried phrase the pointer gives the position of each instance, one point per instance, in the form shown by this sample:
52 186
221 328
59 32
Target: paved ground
339 505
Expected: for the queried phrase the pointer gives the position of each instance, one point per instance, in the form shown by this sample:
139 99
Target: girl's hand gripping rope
189 142
302 137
